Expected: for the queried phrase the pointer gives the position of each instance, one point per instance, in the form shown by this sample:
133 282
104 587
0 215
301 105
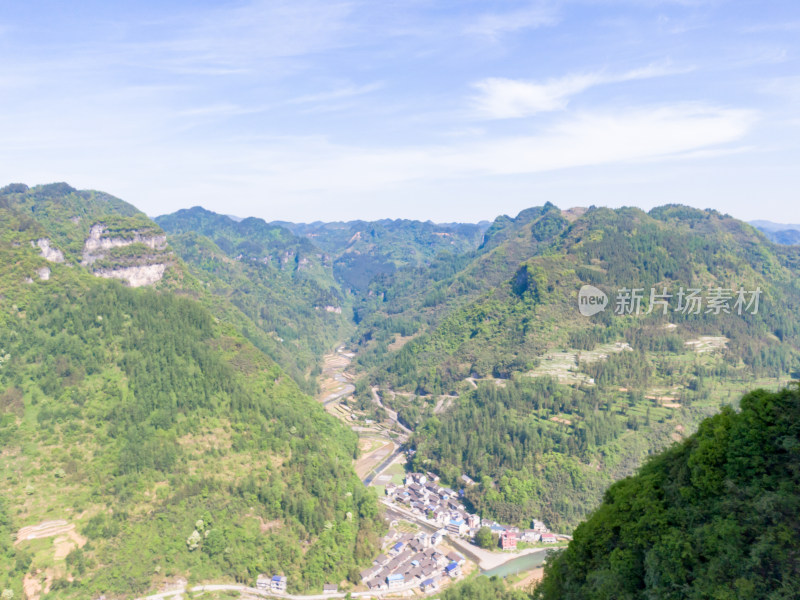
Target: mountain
108 236
281 282
772 226
778 232
297 282
717 516
363 250
491 363
143 437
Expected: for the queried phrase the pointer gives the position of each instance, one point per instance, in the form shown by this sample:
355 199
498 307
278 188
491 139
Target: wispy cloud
300 166
493 25
225 41
787 87
501 98
341 93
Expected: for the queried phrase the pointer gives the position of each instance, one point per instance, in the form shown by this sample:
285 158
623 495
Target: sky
457 110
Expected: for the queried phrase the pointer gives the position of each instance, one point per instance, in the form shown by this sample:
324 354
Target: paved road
178 592
392 414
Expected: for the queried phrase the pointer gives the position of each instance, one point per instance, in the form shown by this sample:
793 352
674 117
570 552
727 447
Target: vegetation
485 539
609 390
714 517
170 443
364 250
171 425
483 588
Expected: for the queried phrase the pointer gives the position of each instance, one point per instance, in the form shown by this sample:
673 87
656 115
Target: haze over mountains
779 233
156 374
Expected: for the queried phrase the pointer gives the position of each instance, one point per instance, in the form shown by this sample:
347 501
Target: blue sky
452 110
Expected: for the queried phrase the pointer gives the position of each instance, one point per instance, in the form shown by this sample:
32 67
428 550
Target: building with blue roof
278 583
395 580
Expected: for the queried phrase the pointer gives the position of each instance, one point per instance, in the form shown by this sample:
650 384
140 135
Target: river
518 565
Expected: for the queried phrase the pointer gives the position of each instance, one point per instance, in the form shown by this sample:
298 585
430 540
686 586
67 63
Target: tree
193 541
484 538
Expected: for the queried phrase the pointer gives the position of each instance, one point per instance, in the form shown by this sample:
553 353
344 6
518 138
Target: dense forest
282 285
365 250
168 442
713 517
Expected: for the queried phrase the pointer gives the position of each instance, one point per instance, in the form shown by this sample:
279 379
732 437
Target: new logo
591 300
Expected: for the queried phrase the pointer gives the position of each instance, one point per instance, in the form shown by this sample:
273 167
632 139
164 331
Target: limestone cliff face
98 244
49 252
136 269
135 276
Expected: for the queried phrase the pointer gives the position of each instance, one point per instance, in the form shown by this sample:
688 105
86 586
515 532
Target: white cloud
226 41
502 98
492 25
273 176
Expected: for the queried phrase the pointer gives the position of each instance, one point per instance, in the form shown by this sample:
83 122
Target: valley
382 444
198 403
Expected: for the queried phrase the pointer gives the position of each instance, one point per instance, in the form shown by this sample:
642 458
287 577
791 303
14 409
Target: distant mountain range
780 233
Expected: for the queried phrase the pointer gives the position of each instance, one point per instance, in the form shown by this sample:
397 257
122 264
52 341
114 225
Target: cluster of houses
442 507
414 560
509 536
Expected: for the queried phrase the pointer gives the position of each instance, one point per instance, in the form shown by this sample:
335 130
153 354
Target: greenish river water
518 565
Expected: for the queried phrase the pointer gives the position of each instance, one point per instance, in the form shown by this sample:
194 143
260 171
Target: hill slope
144 439
715 517
282 283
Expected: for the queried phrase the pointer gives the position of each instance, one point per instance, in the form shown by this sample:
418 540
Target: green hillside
284 285
544 407
714 517
132 418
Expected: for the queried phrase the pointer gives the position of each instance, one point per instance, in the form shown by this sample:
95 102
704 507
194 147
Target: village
442 507
420 560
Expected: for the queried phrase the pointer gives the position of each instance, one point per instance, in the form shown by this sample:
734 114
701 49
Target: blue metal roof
395 577
451 566
278 578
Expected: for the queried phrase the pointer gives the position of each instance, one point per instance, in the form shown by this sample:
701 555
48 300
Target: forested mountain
551 405
363 250
143 437
526 286
787 237
297 282
283 283
717 516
